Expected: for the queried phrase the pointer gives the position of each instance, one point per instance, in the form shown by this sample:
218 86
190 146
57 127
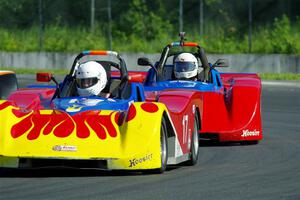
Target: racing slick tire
163 148
195 143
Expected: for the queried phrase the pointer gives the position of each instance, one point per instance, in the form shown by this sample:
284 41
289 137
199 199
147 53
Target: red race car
229 103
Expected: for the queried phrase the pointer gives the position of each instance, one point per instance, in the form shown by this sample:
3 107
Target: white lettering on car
247 133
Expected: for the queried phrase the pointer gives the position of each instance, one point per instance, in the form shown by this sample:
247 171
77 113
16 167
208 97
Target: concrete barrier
257 63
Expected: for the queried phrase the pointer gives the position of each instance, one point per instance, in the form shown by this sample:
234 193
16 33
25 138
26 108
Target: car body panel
93 135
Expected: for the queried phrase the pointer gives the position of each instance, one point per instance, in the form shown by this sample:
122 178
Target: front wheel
163 148
195 143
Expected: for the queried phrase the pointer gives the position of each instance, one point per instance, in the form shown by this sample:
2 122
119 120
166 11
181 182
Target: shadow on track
64 172
72 172
215 143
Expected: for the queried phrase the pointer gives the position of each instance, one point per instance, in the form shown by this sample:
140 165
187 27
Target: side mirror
144 62
43 77
221 63
47 77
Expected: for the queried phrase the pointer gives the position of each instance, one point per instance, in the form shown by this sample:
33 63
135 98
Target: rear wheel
195 143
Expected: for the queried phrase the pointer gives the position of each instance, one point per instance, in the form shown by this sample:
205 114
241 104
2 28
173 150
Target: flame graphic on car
61 124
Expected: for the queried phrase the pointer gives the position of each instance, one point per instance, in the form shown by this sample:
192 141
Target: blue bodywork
73 105
214 86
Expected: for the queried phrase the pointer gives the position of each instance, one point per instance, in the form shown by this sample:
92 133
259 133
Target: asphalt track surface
269 170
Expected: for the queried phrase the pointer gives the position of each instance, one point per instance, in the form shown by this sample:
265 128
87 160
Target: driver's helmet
185 66
91 78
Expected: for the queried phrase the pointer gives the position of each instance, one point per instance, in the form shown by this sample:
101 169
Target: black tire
195 143
163 148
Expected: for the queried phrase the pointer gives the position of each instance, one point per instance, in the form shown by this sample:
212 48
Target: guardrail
260 63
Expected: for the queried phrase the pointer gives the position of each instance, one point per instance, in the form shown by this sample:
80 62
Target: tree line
151 20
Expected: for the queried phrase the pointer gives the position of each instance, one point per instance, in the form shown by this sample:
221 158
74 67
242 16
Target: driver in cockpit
91 79
186 67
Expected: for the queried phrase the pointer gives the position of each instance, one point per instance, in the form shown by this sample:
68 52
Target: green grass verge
281 36
34 71
263 76
284 76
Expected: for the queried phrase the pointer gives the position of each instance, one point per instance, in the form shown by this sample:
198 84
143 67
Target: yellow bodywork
135 146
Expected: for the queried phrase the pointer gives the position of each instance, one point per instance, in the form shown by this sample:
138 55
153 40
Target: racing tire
163 149
195 143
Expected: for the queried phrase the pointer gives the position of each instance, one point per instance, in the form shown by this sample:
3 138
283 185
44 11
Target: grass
34 71
281 36
263 76
284 76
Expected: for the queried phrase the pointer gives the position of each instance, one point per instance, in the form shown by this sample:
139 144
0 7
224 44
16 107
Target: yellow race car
51 126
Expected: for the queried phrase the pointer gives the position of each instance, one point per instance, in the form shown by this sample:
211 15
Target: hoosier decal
137 161
247 133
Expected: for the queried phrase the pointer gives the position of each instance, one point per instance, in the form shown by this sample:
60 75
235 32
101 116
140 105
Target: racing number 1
185 122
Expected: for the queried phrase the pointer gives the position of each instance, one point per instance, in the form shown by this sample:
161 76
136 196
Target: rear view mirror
44 77
47 77
144 62
221 63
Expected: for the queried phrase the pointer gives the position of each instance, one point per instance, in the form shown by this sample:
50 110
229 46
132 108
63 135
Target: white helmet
185 66
91 78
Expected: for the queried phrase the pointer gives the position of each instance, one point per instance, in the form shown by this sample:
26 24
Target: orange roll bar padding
6 72
190 44
97 52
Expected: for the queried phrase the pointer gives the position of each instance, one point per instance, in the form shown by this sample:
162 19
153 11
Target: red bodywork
231 114
234 114
32 98
132 76
183 106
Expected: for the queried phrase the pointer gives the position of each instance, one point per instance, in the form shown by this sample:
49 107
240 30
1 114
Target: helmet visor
86 82
184 66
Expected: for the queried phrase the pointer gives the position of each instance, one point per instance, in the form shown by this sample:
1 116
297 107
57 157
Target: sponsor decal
64 148
74 108
247 133
73 101
137 161
91 102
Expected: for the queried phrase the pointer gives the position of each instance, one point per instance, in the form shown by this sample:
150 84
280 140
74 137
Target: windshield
184 66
